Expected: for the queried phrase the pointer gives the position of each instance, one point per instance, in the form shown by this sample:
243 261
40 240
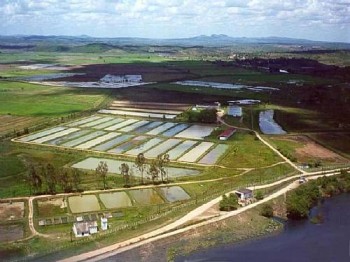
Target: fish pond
115 200
174 193
83 203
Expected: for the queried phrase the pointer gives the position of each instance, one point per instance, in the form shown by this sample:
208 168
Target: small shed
86 228
104 223
227 133
244 194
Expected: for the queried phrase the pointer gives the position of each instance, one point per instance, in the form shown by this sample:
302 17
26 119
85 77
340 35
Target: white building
121 79
104 223
82 229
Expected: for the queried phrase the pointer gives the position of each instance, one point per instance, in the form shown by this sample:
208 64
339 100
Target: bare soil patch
311 149
11 211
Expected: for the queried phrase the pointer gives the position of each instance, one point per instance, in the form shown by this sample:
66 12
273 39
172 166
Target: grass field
23 99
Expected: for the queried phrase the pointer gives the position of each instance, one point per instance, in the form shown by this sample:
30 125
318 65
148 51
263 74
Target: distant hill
92 44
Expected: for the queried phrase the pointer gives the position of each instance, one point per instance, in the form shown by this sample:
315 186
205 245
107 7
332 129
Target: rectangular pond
116 141
83 203
180 149
268 125
11 232
137 114
235 111
162 148
148 127
83 139
97 140
121 124
195 153
174 193
133 126
128 145
210 84
196 132
98 121
41 134
109 123
146 196
55 135
83 121
115 200
113 167
145 146
213 156
176 129
66 138
160 129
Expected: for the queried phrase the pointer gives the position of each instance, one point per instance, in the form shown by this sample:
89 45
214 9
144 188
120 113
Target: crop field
11 123
129 137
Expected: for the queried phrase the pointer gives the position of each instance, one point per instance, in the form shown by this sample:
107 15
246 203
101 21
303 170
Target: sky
325 20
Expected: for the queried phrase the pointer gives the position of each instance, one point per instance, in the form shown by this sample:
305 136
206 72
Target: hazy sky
311 19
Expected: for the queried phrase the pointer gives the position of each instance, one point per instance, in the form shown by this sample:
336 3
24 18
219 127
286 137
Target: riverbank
303 239
244 226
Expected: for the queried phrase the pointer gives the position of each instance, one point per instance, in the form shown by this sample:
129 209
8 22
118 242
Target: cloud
175 18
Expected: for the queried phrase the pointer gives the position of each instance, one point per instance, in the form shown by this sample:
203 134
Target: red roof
228 132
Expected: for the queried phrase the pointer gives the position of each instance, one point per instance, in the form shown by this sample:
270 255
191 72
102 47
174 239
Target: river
300 241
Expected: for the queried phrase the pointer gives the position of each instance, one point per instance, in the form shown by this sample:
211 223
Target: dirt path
173 228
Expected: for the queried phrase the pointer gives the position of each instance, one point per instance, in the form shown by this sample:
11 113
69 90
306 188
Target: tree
266 210
34 179
140 163
65 178
76 179
51 178
124 170
162 160
101 171
153 171
228 203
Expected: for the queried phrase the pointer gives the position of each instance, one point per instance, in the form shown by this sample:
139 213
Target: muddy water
115 200
146 196
174 193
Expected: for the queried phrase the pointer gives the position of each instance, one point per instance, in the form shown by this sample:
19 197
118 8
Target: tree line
156 171
49 179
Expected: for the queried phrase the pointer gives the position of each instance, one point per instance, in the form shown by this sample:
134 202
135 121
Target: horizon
319 20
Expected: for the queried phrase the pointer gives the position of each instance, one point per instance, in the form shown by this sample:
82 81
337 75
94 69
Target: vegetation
266 210
300 200
43 179
259 195
101 172
229 203
200 116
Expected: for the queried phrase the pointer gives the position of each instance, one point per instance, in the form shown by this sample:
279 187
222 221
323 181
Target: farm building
104 223
121 78
244 194
227 133
87 228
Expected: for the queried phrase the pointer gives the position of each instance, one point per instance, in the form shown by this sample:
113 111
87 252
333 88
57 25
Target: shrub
229 203
266 210
259 195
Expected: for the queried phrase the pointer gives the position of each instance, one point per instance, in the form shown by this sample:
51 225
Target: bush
229 203
266 210
259 195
